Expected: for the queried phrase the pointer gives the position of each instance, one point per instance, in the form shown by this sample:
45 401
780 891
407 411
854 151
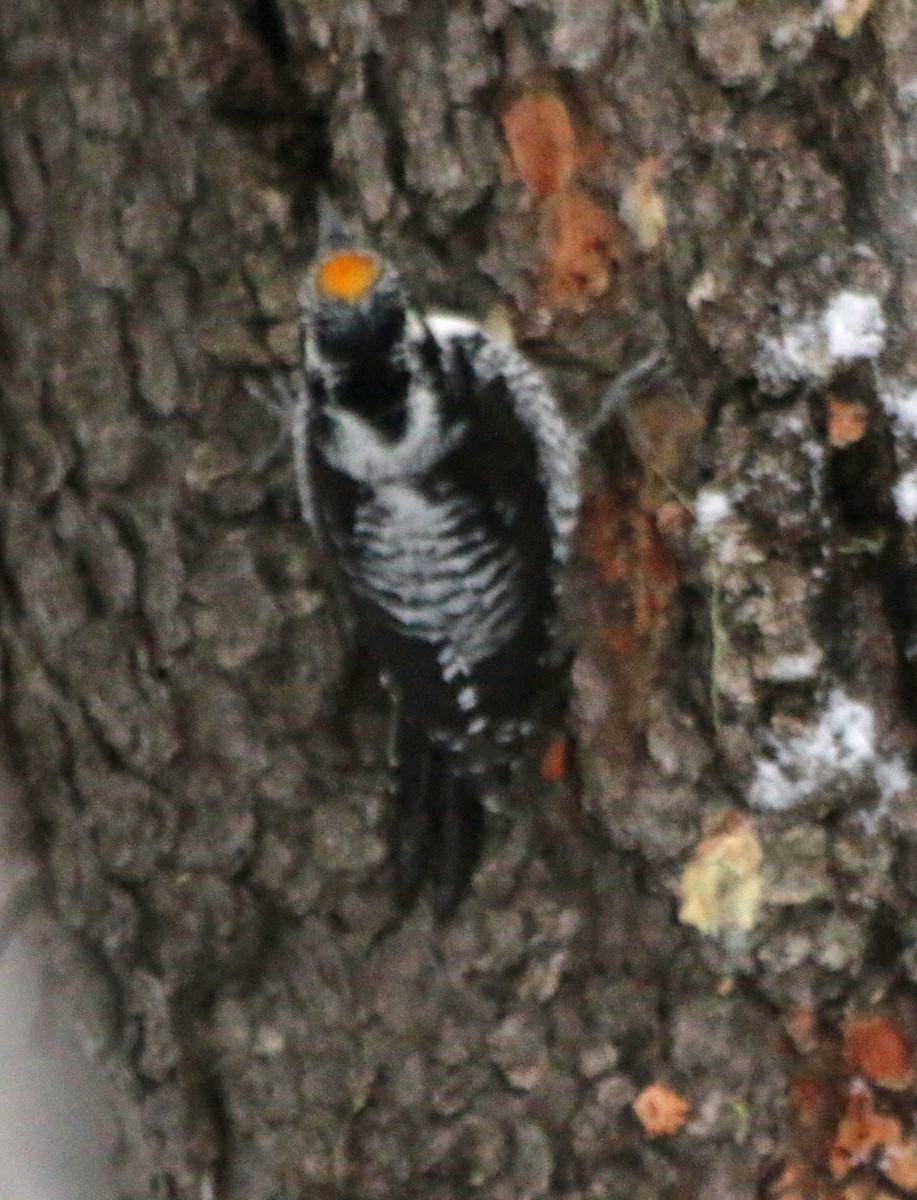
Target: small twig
615 402
616 399
278 397
289 405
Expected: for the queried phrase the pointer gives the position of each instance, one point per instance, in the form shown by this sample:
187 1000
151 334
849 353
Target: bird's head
352 302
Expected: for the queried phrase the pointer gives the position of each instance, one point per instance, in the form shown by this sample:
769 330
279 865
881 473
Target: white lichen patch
851 327
841 745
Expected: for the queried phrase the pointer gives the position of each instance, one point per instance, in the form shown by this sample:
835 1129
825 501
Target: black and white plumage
442 481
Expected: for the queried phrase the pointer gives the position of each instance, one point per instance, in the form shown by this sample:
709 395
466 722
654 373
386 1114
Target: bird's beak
345 270
333 231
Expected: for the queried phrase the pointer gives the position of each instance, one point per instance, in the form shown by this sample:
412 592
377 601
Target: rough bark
202 766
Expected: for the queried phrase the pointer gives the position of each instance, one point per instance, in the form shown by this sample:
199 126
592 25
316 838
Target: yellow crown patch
348 275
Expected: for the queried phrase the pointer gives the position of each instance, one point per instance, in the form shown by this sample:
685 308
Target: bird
441 481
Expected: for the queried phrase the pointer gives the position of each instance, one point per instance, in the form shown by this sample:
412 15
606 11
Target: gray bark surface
202 767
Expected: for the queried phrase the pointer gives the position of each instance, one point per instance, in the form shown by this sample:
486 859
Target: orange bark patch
620 639
606 540
581 244
579 240
863 1189
861 1132
542 142
796 1181
554 762
845 1146
899 1163
625 546
877 1048
658 576
847 422
660 1110
809 1099
801 1025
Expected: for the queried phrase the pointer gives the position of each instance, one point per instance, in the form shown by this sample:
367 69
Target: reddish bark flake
809 1099
864 1189
581 244
660 1110
554 761
876 1047
899 1163
801 1024
626 548
847 422
797 1181
658 574
671 517
606 537
620 639
861 1132
542 142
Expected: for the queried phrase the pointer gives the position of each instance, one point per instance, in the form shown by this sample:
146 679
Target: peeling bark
201 761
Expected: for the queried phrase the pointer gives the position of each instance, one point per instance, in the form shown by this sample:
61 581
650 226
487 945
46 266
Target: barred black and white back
442 480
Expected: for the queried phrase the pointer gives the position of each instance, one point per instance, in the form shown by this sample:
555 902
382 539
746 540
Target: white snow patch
854 325
711 507
905 495
842 743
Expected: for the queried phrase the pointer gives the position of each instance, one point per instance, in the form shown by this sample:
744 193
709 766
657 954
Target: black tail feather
413 829
460 832
438 822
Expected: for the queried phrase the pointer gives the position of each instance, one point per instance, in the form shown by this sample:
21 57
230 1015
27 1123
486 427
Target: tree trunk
717 896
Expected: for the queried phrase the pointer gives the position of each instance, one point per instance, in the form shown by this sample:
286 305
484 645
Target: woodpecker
441 480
